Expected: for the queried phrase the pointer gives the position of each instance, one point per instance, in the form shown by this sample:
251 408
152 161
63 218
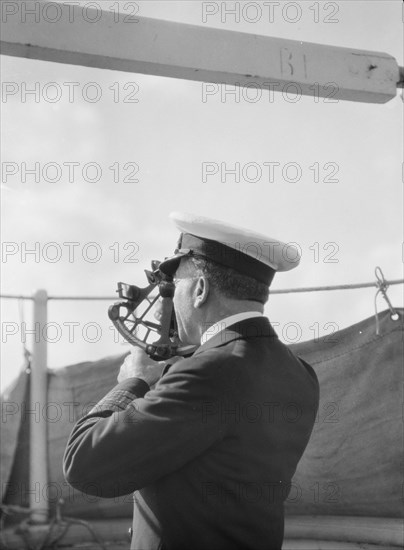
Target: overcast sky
346 223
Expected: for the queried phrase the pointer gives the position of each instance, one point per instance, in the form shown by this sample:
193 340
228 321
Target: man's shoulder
212 359
212 366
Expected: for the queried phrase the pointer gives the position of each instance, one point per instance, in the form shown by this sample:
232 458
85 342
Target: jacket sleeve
134 436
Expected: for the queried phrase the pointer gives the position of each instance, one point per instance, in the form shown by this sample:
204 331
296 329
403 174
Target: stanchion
38 463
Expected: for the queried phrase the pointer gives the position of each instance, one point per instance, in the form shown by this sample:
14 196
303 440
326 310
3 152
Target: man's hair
230 282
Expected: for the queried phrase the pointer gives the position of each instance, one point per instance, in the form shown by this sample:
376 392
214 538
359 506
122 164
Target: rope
16 297
109 298
25 351
280 291
333 287
382 286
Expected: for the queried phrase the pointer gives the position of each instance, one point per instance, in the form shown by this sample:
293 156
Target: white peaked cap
247 251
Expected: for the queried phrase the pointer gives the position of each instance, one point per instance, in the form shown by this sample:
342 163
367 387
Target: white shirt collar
227 322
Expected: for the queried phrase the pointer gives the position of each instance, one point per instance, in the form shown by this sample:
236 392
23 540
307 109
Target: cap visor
170 265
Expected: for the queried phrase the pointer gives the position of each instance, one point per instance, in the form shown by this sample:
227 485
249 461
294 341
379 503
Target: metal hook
382 286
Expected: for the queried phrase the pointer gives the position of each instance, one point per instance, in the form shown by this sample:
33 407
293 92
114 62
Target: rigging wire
272 292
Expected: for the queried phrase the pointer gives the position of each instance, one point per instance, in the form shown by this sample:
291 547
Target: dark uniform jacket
210 451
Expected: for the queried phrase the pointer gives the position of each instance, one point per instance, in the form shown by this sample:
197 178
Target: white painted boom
178 50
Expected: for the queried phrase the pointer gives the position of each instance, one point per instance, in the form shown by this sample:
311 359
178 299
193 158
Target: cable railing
353 286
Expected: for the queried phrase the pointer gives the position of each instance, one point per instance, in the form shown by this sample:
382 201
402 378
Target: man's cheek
180 326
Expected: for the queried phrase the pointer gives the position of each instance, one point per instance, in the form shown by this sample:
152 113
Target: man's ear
201 292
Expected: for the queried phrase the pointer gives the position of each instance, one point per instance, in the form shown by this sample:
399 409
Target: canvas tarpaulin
352 465
14 434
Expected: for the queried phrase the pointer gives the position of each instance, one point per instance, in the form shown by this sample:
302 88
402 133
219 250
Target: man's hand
139 365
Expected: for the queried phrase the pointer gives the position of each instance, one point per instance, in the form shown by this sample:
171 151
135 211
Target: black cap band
191 245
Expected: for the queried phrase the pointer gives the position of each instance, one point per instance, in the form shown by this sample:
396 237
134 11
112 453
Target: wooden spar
91 37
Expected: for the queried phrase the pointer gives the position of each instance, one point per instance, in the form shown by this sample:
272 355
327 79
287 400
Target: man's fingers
158 310
139 365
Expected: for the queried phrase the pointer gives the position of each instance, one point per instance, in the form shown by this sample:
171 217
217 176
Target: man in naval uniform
210 450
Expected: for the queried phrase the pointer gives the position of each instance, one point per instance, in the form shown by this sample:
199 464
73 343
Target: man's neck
226 322
220 311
